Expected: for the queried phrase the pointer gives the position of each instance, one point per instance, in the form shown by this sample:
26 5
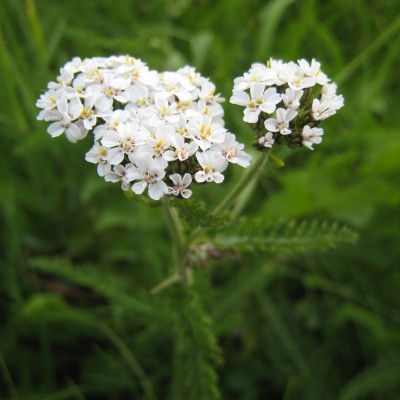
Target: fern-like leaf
194 213
285 236
196 351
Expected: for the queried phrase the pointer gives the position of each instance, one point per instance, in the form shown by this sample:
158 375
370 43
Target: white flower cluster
285 102
151 130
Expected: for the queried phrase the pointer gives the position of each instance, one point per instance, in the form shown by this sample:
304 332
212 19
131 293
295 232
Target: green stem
166 283
178 239
249 176
279 163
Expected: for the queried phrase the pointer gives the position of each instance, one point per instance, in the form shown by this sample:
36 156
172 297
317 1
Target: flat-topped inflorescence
284 103
151 130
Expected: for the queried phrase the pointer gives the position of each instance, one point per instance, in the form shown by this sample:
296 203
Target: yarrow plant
161 133
155 131
164 132
286 102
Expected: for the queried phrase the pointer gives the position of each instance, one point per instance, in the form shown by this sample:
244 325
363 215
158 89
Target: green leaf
194 213
196 350
131 362
376 380
365 318
107 285
51 307
285 236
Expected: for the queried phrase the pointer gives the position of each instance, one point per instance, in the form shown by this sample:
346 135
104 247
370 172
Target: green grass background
78 257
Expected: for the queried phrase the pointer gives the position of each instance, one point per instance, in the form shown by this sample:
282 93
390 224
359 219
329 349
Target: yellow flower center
205 132
208 169
164 111
86 113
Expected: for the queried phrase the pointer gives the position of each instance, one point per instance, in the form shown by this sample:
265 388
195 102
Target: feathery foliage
285 236
195 214
196 353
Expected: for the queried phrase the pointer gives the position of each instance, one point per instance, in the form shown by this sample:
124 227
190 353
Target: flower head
149 129
285 102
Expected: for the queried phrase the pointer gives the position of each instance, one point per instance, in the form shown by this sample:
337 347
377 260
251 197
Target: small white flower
158 144
92 69
136 70
149 172
67 122
313 70
50 99
105 93
322 109
98 155
311 136
64 79
297 81
207 93
173 84
233 151
206 132
165 110
267 140
281 122
119 174
215 111
257 73
328 93
291 98
73 131
213 164
329 90
193 76
139 95
73 66
283 72
112 122
89 118
123 141
180 187
259 100
181 127
183 150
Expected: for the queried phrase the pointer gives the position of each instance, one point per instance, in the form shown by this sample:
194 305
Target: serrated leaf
194 213
286 236
197 352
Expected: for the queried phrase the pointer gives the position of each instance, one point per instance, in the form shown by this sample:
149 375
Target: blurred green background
78 257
